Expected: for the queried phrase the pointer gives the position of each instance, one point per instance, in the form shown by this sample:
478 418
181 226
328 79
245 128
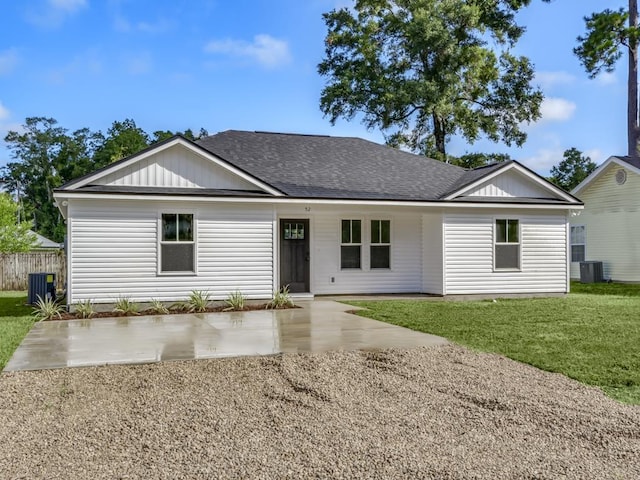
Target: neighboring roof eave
157 147
509 165
596 173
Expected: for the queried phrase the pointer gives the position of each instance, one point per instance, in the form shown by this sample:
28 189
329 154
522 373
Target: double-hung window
380 244
578 243
507 244
351 244
177 246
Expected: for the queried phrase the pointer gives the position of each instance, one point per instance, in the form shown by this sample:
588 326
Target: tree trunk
440 136
633 130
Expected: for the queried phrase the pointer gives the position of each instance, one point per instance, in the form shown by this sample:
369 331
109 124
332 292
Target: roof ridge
291 133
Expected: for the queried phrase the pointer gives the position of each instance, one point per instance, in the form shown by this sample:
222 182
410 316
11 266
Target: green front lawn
15 322
591 337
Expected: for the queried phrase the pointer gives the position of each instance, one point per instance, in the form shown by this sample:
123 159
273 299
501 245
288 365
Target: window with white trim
507 244
177 245
351 245
380 247
578 243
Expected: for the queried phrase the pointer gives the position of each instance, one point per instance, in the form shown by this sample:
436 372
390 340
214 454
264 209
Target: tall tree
424 70
14 233
161 135
34 172
123 139
609 34
572 170
475 160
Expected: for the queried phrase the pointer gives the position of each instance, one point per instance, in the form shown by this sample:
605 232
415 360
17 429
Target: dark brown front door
294 254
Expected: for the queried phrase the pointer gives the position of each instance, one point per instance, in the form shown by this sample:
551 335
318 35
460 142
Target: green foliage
160 135
158 307
607 37
475 160
85 309
572 170
47 309
125 306
14 235
235 301
123 139
198 301
423 71
281 299
15 322
591 338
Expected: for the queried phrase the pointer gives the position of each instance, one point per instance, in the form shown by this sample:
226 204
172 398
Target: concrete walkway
318 326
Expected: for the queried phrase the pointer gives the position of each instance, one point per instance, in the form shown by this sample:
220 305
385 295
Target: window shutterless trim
379 242
351 243
507 243
192 242
577 244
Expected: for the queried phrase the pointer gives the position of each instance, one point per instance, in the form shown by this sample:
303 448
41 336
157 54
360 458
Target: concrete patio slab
320 325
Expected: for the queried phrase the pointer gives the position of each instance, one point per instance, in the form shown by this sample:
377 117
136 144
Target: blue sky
251 65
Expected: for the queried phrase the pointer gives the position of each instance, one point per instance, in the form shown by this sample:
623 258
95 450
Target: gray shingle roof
633 161
334 167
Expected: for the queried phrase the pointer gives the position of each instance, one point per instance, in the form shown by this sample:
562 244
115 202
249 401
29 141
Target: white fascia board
596 173
178 141
531 176
61 196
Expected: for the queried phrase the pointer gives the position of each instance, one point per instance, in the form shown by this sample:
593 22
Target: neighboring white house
608 229
254 211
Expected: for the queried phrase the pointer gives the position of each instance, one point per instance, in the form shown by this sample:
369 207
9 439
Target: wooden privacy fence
16 267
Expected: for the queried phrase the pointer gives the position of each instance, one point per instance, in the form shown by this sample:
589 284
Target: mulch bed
213 309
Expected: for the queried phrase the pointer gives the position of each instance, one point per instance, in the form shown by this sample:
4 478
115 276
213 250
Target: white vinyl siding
405 274
469 255
114 251
611 218
432 268
176 167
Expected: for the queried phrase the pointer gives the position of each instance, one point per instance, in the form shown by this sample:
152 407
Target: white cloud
69 6
8 61
544 159
87 63
54 12
595 155
551 79
139 64
606 78
266 50
121 24
4 112
556 110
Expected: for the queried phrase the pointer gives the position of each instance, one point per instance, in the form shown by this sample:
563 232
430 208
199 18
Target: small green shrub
47 309
125 306
198 301
158 307
235 301
281 299
85 309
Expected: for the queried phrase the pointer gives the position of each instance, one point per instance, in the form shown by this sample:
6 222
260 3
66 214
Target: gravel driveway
442 412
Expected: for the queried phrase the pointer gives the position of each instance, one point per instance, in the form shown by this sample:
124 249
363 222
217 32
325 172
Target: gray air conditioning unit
41 285
591 272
